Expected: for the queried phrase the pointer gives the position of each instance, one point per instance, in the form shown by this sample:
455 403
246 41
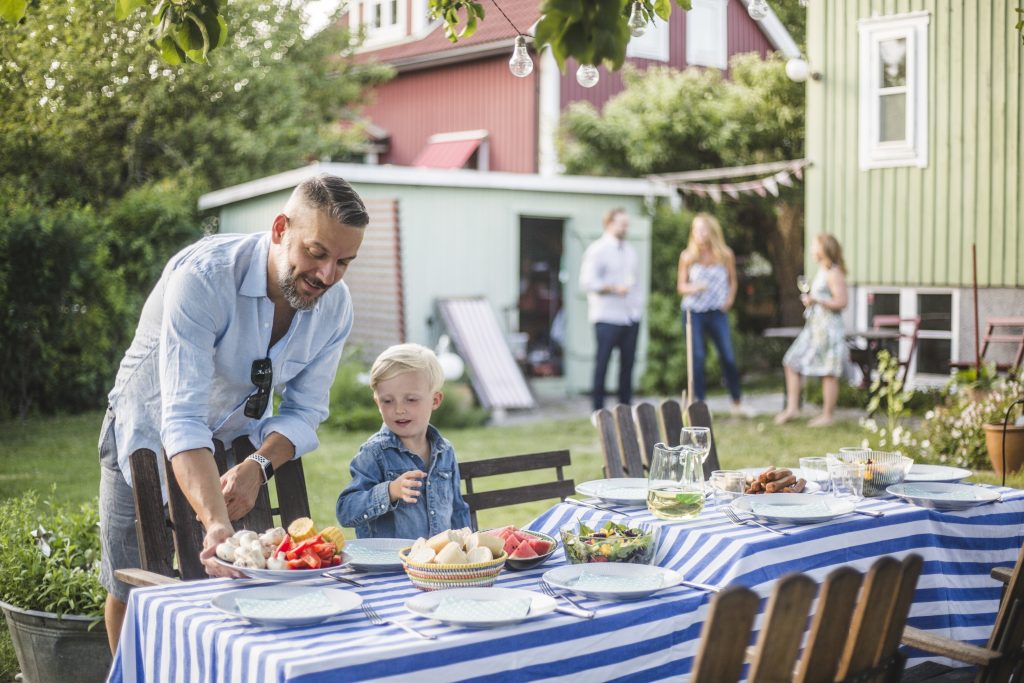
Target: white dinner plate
277 574
374 554
286 605
612 580
936 473
624 491
943 496
810 487
426 605
793 508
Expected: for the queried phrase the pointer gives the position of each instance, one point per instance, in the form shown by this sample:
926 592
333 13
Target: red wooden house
458 106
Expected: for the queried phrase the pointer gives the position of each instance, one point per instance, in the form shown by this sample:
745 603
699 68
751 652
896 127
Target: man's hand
406 487
240 486
215 535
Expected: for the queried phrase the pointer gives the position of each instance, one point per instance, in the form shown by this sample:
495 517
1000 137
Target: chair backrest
485 500
162 535
698 415
908 328
854 632
628 435
1000 331
1007 636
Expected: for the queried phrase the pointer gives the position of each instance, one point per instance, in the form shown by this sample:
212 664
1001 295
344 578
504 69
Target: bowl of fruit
636 543
456 558
526 549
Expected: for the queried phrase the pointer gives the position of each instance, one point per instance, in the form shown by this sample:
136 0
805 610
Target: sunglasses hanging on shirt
262 375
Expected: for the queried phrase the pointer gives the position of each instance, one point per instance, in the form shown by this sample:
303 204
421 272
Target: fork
593 506
736 519
577 612
343 579
378 620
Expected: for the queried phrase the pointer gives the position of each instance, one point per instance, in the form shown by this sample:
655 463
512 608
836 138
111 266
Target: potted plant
50 593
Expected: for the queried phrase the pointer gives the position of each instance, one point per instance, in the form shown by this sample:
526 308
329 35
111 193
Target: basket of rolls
456 558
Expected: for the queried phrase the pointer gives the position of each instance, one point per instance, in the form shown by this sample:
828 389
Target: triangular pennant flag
730 190
783 178
759 189
716 193
771 186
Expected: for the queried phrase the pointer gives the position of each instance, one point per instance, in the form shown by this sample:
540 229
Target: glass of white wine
698 439
675 488
803 284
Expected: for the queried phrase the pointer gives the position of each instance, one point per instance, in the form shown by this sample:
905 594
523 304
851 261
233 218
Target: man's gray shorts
117 516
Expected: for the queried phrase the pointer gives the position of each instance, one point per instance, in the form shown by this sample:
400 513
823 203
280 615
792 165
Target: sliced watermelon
540 546
503 532
511 544
522 535
523 552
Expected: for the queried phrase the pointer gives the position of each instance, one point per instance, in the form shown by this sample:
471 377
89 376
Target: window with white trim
653 44
894 91
383 20
936 341
707 34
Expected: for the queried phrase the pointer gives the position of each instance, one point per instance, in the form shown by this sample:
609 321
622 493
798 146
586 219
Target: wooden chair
485 500
854 631
908 329
1002 658
628 435
999 331
176 531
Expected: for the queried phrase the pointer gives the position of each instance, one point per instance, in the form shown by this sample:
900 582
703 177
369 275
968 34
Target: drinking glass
727 485
697 439
815 469
803 284
675 487
847 479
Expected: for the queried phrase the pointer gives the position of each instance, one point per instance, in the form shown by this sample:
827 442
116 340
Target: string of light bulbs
587 75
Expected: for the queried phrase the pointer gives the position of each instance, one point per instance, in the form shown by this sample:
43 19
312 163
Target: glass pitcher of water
675 488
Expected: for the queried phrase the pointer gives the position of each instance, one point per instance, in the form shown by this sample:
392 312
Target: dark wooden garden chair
1006 332
698 415
175 531
472 470
854 630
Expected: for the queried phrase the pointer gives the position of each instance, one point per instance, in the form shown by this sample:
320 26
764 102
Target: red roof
494 29
448 154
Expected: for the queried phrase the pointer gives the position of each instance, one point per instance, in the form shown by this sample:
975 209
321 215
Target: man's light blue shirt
187 374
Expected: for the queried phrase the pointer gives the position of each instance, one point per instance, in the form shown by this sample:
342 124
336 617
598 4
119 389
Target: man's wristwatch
265 465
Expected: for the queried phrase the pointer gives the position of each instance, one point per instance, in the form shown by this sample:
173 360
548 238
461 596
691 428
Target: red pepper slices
312 553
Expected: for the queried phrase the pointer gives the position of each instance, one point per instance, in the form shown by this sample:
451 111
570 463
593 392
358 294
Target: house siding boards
915 226
456 98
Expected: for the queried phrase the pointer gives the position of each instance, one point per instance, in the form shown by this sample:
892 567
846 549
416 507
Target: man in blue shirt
232 318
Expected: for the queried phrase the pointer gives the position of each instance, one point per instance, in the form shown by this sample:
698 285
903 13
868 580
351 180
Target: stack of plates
941 496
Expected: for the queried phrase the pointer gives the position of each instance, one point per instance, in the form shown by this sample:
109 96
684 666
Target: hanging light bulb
637 23
758 9
520 65
587 75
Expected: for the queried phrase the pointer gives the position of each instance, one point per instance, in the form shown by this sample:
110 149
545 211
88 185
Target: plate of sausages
777 480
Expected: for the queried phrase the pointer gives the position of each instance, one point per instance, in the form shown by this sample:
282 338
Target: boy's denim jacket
365 504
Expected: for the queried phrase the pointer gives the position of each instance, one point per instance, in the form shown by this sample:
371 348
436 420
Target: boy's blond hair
403 358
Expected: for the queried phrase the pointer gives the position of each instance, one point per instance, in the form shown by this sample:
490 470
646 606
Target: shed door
541 318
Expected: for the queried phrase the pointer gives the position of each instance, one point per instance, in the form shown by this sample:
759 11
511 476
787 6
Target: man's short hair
333 195
611 214
403 358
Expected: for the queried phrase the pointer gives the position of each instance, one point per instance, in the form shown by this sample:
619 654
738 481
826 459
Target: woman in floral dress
820 349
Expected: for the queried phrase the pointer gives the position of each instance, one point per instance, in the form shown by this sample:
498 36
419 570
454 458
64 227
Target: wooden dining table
171 633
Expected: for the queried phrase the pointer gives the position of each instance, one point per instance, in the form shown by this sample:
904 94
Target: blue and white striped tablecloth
172 634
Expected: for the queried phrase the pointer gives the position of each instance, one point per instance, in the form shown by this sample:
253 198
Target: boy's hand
407 487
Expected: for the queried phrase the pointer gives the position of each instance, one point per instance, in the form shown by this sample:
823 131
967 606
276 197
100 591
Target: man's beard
287 281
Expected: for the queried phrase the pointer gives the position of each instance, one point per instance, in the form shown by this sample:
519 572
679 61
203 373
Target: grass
61 451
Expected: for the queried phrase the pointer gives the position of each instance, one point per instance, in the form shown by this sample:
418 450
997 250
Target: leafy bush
50 565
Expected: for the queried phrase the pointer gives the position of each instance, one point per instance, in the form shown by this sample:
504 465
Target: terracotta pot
1014 447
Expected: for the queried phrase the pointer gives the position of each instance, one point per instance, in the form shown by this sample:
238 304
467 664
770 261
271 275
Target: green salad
610 543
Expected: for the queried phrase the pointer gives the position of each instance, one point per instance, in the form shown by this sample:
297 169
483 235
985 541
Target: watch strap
265 465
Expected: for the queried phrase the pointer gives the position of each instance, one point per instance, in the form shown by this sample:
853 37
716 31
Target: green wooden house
914 129
514 239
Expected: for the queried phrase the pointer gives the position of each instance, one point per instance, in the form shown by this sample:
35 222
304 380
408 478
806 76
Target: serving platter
809 487
276 574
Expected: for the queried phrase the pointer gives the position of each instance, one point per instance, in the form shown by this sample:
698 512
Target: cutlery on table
593 506
344 579
742 521
869 513
701 586
378 620
577 612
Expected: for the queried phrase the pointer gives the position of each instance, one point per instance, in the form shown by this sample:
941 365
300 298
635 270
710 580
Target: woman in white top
820 349
707 283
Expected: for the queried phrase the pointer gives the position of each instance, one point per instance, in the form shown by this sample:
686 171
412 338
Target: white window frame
908 309
913 149
653 44
392 29
716 56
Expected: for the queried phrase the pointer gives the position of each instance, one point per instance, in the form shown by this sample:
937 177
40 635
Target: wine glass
803 285
696 439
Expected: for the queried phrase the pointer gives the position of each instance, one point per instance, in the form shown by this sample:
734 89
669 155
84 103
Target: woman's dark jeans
713 324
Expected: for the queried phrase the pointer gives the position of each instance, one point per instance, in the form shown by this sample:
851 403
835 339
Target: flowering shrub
888 394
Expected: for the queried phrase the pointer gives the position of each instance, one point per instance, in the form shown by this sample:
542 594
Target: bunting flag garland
772 176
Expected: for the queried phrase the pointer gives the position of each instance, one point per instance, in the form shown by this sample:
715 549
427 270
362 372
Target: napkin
312 604
768 507
466 609
361 555
603 582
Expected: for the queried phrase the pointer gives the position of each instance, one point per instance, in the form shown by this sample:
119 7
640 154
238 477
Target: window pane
394 11
936 311
893 62
377 12
933 356
882 304
892 117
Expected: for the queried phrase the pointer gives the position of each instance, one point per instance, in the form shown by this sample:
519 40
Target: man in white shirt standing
616 303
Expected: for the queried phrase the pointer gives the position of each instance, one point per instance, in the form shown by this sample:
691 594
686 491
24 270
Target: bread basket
430 576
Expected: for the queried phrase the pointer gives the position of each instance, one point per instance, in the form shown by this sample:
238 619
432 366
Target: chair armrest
143 578
947 647
1002 574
